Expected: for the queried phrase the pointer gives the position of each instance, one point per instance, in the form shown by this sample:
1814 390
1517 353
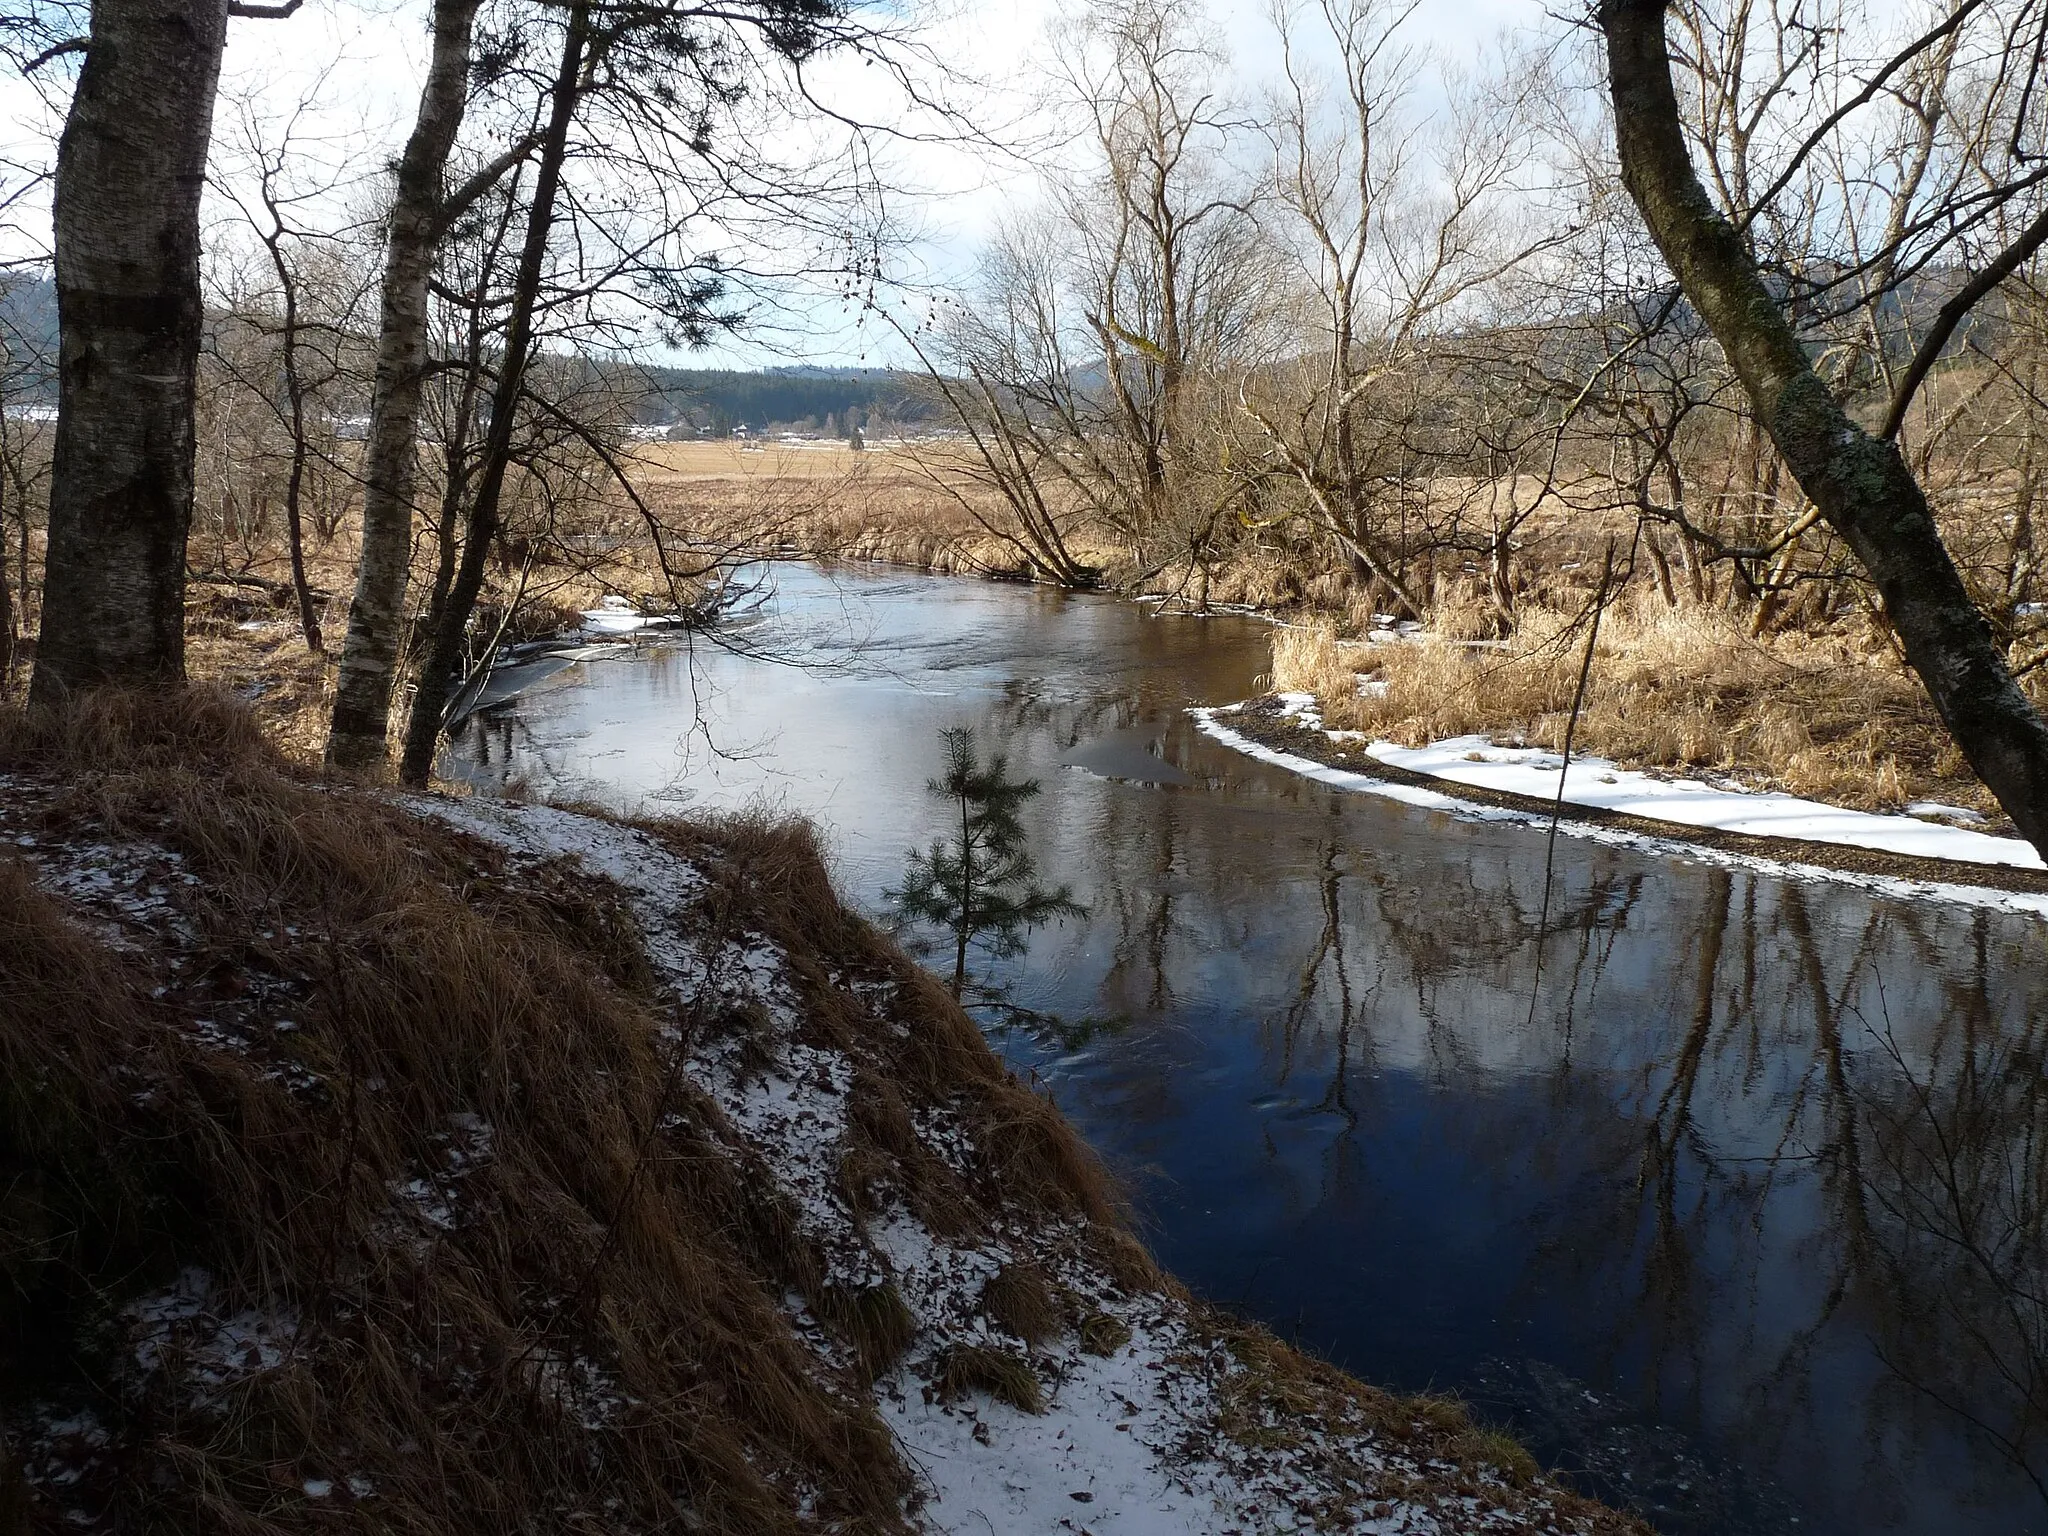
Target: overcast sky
360 63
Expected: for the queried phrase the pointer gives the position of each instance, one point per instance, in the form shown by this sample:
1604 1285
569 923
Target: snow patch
180 1330
1593 781
1423 798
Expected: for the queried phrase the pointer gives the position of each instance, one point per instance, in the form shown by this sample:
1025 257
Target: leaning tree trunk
1860 483
130 167
376 618
444 651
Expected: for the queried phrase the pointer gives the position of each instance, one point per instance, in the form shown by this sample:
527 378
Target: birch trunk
369 654
130 167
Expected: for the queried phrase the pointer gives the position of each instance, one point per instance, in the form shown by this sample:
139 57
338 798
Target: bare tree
303 312
26 372
1395 231
1169 271
1085 360
1859 482
422 209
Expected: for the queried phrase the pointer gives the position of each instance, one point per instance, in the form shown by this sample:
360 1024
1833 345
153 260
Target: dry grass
1280 1390
1103 1334
154 1116
969 1368
875 1322
1683 689
728 459
1020 1299
452 1369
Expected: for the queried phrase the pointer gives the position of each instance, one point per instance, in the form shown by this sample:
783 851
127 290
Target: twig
1571 726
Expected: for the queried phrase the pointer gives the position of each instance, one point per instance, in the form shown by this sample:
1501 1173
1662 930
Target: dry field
1682 688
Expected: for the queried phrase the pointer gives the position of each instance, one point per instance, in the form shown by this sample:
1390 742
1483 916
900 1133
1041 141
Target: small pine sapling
980 884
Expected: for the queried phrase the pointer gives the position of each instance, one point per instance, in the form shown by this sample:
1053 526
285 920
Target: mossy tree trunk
1859 482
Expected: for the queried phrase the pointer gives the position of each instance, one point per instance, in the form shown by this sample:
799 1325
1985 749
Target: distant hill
801 396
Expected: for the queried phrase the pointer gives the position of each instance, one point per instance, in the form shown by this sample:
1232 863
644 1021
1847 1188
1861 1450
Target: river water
1733 1208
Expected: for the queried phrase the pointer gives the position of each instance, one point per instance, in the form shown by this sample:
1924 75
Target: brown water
1742 1223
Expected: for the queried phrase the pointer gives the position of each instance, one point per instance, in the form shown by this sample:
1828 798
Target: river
1733 1208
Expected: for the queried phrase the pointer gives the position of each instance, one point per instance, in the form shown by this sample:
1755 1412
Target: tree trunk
437 669
295 484
376 618
1860 483
130 167
6 630
1661 565
7 613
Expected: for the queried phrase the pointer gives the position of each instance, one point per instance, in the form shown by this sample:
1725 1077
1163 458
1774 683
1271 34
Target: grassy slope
375 1170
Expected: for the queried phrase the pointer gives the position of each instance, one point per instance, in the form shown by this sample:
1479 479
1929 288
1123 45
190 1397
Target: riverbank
1471 777
396 1163
1804 692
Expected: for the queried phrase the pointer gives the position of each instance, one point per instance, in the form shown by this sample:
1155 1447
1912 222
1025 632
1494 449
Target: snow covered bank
1593 781
1474 762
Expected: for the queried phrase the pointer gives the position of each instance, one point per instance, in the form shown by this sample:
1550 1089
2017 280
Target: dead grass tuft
1685 689
968 1368
1020 1299
1103 1334
874 1322
1506 1455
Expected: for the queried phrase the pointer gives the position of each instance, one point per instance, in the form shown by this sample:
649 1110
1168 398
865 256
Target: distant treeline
817 399
716 400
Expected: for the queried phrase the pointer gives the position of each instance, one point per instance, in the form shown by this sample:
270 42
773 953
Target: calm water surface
1741 1223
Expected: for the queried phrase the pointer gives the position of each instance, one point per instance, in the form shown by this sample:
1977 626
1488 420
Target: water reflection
1735 1206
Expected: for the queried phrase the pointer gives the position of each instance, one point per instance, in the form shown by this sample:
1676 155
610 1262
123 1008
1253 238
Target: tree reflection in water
1738 1172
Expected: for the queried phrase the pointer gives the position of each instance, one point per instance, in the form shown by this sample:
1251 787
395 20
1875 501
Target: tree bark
369 655
130 167
6 630
437 669
1859 482
295 483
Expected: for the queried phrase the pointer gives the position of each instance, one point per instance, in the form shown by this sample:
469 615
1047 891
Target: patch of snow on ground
1127 1443
1593 781
181 1329
1940 812
1210 721
1104 1456
130 887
